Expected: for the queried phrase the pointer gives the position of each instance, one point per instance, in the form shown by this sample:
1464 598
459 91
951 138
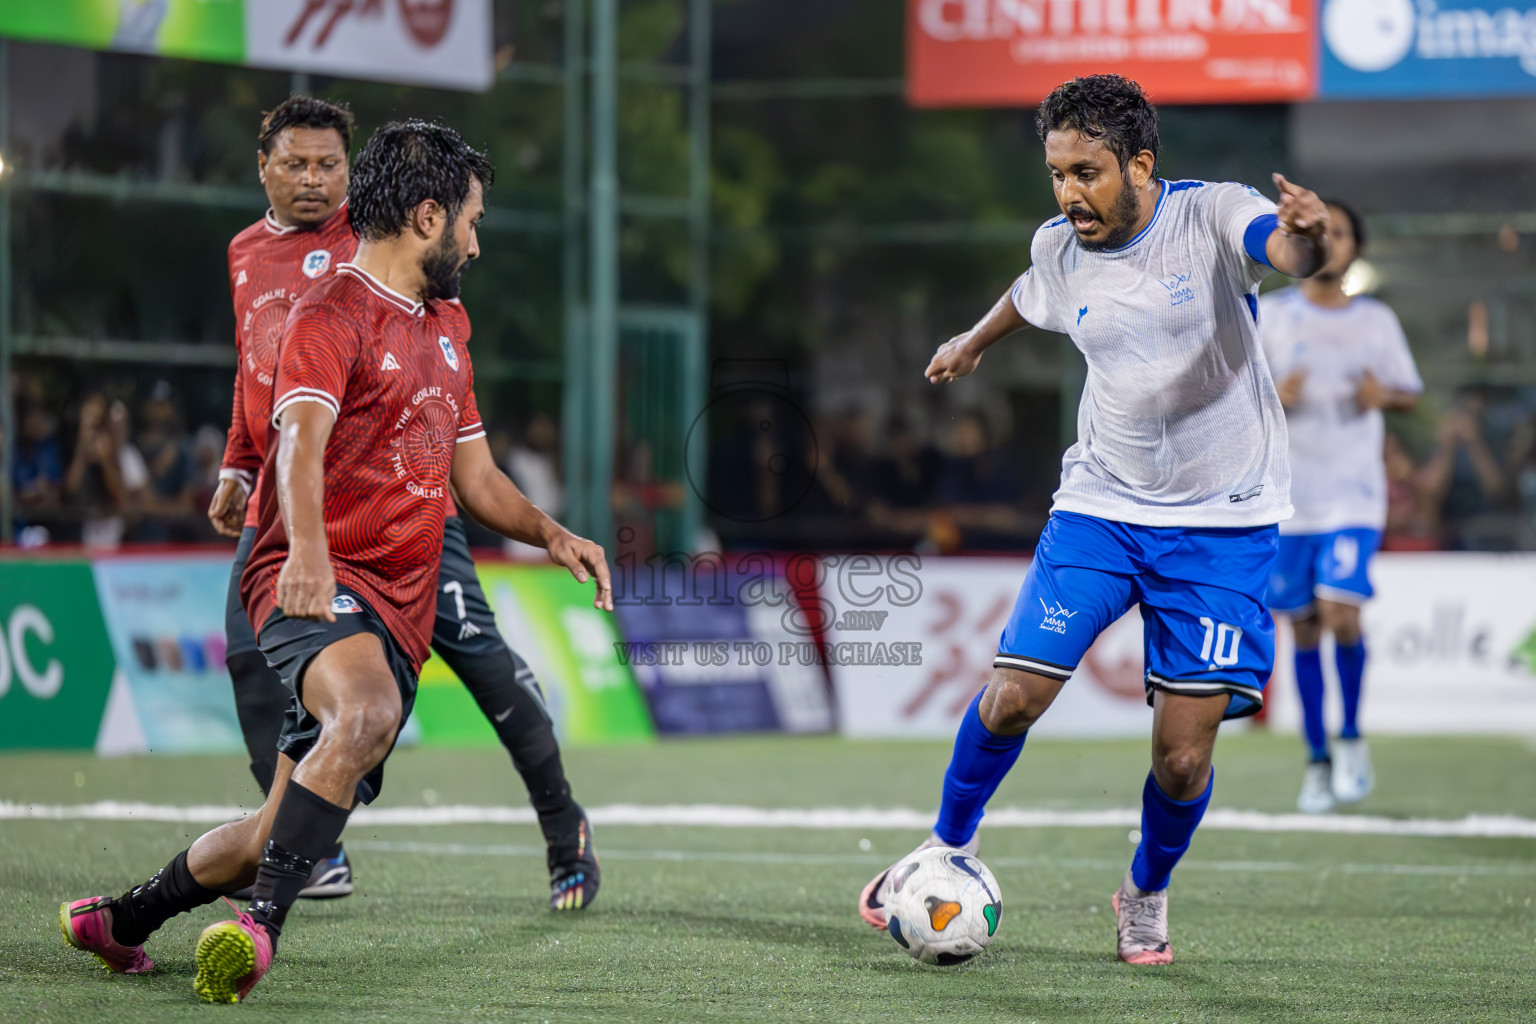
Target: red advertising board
1014 52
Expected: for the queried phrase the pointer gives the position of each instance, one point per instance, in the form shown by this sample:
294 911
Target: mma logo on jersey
316 263
449 355
345 604
1179 291
1055 617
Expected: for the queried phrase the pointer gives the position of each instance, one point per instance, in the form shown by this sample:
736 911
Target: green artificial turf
716 924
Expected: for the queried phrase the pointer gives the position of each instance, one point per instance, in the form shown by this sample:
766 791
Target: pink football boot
87 925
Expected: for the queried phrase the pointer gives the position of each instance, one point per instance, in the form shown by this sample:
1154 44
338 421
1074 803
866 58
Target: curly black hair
1356 224
1109 108
306 112
405 164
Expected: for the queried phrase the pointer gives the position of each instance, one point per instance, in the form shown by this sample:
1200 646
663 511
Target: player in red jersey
375 416
304 236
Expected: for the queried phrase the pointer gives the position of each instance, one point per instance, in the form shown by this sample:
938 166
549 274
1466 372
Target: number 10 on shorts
1221 638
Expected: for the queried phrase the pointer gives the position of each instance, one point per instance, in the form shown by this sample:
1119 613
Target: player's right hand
1289 388
306 587
227 509
954 359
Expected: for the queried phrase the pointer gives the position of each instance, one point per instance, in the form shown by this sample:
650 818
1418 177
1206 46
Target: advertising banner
720 650
430 42
1452 648
56 665
912 641
548 618
1401 49
165 618
1014 52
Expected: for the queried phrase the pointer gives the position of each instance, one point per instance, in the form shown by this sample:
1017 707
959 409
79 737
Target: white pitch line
727 816
878 860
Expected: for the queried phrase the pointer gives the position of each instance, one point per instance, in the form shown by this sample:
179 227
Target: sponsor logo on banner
1009 52
1401 48
56 665
434 42
953 612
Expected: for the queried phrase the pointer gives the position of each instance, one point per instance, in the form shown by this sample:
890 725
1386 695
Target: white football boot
1316 795
872 899
1353 777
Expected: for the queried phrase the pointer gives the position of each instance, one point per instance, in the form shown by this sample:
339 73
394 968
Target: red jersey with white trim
270 266
396 375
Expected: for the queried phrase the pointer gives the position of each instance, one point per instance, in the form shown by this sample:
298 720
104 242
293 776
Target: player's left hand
1370 394
585 559
1301 211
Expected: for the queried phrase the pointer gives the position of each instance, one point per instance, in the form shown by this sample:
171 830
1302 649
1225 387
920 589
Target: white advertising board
1451 638
430 42
955 613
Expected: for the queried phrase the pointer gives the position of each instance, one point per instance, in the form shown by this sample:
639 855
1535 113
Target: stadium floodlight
1362 278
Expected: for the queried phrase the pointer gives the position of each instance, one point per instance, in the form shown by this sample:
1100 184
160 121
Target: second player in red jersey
396 375
270 266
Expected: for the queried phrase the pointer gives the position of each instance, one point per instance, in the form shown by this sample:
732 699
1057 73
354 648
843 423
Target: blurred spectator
107 477
37 475
902 480
1413 521
533 463
171 498
1466 481
207 454
978 491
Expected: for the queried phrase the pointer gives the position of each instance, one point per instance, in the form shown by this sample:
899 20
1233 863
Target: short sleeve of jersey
470 426
1395 366
1033 294
1242 220
315 358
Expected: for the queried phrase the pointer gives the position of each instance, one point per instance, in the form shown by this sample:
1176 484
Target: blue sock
1351 662
980 761
1309 683
1167 826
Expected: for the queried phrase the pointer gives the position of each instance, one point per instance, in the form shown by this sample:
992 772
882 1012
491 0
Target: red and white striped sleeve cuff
472 431
296 395
244 477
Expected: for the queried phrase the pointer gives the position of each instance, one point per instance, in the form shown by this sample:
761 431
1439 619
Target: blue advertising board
1422 49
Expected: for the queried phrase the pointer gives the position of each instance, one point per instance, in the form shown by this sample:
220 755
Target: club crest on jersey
449 355
316 263
345 604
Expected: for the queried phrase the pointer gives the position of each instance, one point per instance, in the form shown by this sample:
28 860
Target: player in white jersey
1169 498
1339 361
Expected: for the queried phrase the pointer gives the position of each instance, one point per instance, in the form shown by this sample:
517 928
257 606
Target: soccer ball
942 906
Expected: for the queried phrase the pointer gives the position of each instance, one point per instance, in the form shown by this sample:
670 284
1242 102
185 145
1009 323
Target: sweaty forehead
1066 148
308 143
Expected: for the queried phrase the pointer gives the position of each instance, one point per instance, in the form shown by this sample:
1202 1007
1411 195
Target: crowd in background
115 466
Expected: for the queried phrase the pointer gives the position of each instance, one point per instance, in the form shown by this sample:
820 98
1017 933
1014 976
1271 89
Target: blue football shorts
1333 566
1206 627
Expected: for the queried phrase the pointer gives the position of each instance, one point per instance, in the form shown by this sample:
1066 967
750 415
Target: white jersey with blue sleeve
1338 479
1179 423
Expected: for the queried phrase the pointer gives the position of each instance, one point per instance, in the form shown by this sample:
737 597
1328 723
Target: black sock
170 891
304 828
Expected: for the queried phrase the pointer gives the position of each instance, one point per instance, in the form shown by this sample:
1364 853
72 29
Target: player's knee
1181 771
363 733
1344 622
1011 704
1308 632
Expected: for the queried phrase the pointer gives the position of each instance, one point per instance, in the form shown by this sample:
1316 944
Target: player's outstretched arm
493 499
960 355
1298 247
305 586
